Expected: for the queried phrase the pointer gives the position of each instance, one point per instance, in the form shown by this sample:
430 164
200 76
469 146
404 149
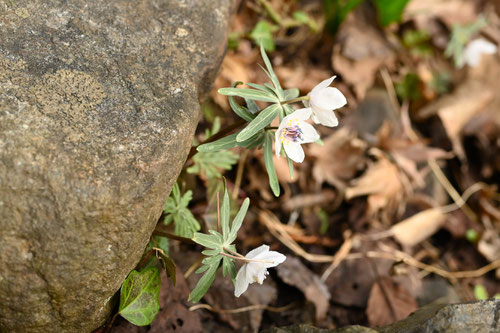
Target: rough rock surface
473 317
98 105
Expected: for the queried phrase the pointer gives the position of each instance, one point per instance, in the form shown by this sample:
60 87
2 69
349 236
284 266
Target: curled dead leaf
417 228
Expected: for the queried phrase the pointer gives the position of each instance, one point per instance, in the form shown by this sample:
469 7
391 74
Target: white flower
475 49
323 100
294 131
255 271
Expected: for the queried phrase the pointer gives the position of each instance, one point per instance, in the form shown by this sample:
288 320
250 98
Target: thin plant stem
232 252
246 259
298 99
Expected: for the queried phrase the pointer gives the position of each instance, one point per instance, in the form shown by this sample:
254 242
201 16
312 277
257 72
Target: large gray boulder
98 105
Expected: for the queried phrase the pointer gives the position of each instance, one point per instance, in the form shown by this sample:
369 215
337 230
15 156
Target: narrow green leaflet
252 106
254 94
210 241
268 160
290 167
139 296
270 72
228 267
262 120
224 213
223 143
176 211
241 111
261 87
238 220
205 282
291 93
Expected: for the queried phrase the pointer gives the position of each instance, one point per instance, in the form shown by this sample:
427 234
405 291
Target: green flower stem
222 133
298 99
242 258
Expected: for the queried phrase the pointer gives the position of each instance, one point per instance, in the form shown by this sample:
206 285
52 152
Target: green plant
177 211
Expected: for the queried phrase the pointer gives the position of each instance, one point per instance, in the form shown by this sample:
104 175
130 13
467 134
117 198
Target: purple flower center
293 133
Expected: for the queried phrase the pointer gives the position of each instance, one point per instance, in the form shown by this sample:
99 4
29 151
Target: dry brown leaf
293 272
382 183
360 51
389 302
449 11
338 160
413 230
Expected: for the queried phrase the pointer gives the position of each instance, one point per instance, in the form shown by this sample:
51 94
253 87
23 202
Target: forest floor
398 208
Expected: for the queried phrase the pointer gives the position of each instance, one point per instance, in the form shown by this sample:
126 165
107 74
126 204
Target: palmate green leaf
176 210
205 282
390 10
268 161
139 296
210 163
253 94
228 267
262 120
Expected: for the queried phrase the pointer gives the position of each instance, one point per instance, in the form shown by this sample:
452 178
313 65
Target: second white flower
294 131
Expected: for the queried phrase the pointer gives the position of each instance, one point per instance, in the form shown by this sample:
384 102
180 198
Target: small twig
239 174
339 256
194 266
243 309
158 232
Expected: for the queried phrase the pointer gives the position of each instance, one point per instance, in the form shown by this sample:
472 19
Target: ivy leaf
262 120
169 266
139 296
268 161
177 211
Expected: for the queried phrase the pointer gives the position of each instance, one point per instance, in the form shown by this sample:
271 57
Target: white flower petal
242 282
323 84
309 134
328 99
255 252
301 114
274 256
295 152
325 117
475 49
